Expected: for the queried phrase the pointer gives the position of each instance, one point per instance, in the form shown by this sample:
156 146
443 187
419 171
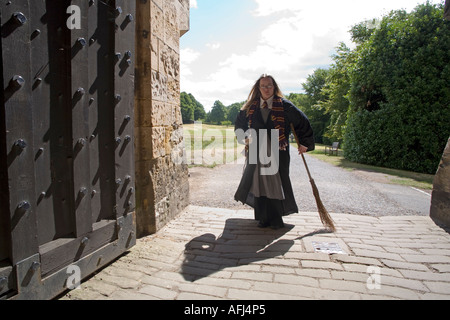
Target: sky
232 42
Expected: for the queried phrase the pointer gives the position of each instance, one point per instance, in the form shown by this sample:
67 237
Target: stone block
157 19
158 142
183 17
162 190
170 206
150 143
159 115
440 200
143 86
158 3
143 25
169 62
159 86
173 90
154 48
171 24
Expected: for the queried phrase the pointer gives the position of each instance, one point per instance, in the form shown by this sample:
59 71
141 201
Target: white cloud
338 9
193 4
285 49
213 46
268 7
189 55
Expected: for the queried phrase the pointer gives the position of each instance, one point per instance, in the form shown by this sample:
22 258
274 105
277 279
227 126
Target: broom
323 213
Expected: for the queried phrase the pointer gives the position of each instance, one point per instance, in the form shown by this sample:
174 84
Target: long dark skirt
269 212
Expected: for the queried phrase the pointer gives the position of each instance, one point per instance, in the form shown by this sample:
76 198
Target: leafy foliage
336 92
399 114
218 113
309 103
191 109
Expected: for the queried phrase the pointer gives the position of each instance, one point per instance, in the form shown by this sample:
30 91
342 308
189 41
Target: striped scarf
277 116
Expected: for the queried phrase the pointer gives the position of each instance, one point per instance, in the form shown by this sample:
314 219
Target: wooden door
66 141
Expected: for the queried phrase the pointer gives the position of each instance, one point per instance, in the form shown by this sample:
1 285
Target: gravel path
341 191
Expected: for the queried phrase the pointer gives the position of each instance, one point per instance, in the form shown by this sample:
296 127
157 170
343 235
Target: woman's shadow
240 243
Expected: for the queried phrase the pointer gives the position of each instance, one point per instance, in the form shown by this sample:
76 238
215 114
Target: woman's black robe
306 137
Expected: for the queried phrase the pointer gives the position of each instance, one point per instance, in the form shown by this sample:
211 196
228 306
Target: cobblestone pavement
210 253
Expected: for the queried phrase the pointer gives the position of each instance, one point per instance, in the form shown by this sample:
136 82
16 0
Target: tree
199 110
310 103
335 102
361 32
218 113
187 108
191 109
233 111
399 110
315 83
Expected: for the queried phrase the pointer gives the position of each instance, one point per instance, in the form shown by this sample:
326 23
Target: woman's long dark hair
255 93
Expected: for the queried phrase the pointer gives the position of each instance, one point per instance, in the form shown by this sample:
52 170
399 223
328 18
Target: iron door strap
124 70
18 138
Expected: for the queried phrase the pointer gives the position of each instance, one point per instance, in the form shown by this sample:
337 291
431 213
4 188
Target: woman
269 192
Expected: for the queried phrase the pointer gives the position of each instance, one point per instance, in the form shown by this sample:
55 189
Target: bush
399 114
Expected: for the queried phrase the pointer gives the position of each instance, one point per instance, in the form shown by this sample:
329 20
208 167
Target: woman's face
266 88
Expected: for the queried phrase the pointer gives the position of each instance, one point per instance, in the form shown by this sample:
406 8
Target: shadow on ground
240 243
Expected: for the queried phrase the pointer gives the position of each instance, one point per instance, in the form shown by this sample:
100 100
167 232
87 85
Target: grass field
211 145
218 145
402 177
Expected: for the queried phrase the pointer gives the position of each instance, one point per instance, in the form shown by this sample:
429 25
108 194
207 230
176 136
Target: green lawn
402 177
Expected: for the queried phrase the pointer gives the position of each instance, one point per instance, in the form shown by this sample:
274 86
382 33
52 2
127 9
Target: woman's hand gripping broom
323 213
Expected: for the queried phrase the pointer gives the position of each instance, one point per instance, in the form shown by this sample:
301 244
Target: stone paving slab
208 253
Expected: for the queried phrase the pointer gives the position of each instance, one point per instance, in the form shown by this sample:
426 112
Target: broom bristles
323 213
325 217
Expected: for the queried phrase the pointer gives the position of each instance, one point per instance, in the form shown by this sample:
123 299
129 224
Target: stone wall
447 10
440 201
162 187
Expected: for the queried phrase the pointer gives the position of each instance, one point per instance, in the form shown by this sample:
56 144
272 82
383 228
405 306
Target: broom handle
303 157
